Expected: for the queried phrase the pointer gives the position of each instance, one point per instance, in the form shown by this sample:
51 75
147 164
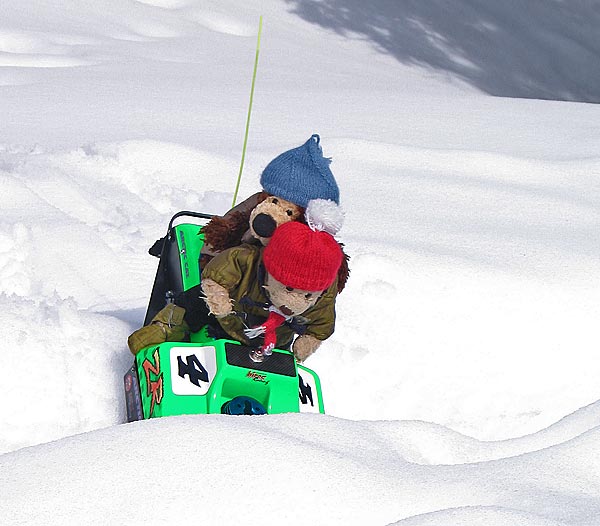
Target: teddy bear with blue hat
291 181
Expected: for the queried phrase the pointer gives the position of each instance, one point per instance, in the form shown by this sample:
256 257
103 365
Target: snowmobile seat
179 260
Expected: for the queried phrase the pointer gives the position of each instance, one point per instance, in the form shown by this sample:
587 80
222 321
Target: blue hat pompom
301 174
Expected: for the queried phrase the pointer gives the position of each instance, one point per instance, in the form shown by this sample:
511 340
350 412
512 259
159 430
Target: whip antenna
237 186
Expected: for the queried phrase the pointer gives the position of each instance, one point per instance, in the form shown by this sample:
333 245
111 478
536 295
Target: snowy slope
467 332
316 470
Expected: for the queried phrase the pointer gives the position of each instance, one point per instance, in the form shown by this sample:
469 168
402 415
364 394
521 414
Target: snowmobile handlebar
190 214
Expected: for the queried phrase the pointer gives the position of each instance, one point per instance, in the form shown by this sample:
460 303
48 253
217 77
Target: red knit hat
302 258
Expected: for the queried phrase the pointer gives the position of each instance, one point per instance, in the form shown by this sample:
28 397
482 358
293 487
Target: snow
461 384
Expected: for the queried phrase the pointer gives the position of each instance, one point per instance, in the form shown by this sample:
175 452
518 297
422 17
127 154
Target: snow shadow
543 49
133 317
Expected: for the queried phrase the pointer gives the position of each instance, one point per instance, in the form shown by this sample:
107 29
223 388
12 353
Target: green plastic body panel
198 378
189 243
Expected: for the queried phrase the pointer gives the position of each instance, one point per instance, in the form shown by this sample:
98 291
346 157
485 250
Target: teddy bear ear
325 215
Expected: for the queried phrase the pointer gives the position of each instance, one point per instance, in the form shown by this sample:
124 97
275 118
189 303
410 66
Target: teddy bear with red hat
285 289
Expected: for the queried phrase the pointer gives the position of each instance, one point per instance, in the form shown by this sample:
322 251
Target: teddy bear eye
289 212
275 201
289 289
308 296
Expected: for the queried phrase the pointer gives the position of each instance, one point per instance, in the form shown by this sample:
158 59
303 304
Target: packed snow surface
461 383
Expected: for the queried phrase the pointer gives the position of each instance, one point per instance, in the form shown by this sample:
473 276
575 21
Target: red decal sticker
154 388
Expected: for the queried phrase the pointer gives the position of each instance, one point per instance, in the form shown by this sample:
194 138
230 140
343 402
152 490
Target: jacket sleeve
321 317
227 269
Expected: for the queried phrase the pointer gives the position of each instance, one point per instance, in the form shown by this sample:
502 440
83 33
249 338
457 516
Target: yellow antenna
237 186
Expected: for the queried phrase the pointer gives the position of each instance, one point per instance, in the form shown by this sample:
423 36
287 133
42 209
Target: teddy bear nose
264 225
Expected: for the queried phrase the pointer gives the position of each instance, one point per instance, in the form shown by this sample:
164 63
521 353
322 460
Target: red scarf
274 320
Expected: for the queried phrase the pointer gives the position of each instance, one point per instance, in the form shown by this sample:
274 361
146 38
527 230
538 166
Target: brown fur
344 272
227 231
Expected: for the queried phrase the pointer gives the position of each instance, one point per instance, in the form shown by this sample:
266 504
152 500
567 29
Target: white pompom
325 215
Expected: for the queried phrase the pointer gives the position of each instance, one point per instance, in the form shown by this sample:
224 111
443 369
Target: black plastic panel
278 363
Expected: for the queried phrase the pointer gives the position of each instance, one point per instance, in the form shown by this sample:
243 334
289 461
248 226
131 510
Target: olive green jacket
240 270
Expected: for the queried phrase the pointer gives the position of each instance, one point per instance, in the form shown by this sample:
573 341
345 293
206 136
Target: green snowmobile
208 375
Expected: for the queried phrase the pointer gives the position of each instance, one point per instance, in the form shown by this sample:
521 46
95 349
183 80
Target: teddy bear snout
264 225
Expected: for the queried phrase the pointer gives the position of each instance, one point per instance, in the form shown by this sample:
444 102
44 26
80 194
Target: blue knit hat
301 174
